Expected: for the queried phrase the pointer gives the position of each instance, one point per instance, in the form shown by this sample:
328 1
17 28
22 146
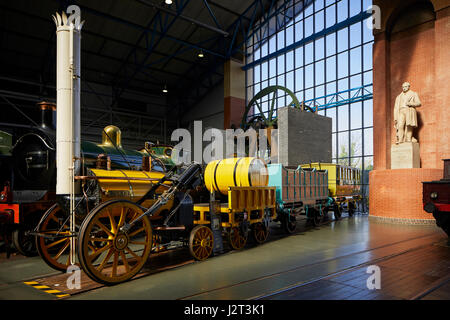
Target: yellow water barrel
236 172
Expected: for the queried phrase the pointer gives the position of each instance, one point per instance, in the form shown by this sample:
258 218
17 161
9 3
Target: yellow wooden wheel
237 240
201 242
54 245
260 232
120 255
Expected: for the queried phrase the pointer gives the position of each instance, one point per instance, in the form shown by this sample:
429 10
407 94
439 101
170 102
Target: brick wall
398 193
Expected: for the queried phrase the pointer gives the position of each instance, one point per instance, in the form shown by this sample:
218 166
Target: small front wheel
201 242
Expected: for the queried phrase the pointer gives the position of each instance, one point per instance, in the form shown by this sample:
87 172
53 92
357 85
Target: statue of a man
405 114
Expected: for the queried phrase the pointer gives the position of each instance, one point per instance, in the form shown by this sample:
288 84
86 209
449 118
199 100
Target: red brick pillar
381 102
234 93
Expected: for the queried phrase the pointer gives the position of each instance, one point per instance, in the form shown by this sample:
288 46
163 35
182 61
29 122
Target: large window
322 51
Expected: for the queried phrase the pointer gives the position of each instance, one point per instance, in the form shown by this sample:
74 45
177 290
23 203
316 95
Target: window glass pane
367 56
299 79
356 143
368 163
280 60
368 113
355 7
290 81
309 76
257 74
343 152
331 44
299 31
342 39
318 5
330 16
309 26
356 115
309 57
320 49
331 68
343 118
289 61
319 17
342 10
299 57
265 71
272 44
320 72
343 65
272 67
355 35
367 32
289 35
368 142
355 58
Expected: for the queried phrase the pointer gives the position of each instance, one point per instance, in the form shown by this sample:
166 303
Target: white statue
405 114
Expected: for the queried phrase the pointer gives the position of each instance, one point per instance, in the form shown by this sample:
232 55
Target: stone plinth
397 194
405 155
303 137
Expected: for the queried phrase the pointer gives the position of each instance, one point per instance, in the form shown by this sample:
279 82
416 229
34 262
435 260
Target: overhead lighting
165 89
168 1
200 54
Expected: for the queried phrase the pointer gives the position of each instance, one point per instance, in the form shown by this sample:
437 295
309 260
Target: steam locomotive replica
28 172
436 199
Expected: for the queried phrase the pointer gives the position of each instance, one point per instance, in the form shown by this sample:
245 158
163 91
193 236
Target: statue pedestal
405 155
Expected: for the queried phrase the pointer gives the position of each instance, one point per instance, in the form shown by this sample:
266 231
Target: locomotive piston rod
180 183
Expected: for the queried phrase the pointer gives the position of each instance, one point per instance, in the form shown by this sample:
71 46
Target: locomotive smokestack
68 35
47 113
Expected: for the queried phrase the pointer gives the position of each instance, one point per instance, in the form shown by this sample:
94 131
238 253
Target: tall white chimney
68 39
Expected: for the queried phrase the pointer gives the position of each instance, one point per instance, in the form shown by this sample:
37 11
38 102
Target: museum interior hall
221 151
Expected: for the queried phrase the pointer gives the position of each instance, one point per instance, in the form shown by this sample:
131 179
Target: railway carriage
344 186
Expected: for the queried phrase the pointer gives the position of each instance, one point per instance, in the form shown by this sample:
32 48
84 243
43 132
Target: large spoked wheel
260 232
54 245
107 254
201 242
289 223
237 239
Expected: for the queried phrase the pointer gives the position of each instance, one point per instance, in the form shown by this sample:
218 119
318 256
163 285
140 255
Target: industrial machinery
436 199
344 186
116 237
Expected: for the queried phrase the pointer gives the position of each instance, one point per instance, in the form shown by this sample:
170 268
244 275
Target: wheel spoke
125 261
102 226
96 253
136 232
115 262
112 221
122 218
133 254
60 252
100 239
56 242
105 260
138 242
